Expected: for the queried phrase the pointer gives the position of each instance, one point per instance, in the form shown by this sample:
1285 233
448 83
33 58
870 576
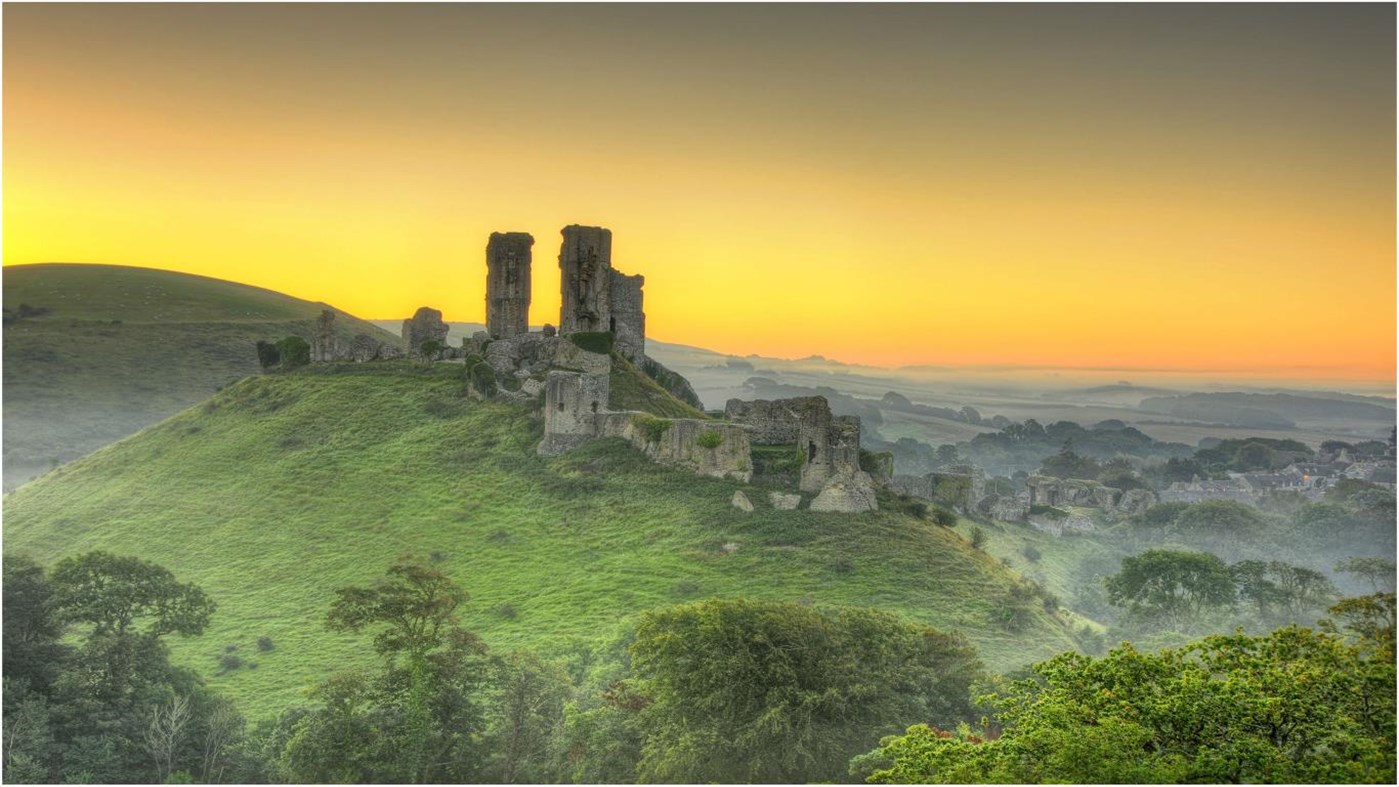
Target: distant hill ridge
100 351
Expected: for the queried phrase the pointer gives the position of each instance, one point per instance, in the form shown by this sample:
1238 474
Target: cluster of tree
1023 447
89 691
1178 589
1297 705
1249 454
1355 518
289 353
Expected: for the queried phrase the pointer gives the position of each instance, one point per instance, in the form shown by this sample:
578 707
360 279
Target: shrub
594 342
709 439
267 355
295 352
945 518
1031 554
230 661
437 557
430 349
978 538
842 565
507 611
264 644
651 427
483 380
686 589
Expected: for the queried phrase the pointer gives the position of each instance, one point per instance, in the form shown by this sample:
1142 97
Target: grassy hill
116 349
279 489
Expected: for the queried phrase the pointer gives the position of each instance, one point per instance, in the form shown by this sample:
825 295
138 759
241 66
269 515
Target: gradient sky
1189 187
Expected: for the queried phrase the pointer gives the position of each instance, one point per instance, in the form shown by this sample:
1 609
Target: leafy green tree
424 708
1067 464
124 595
294 351
1170 585
744 691
526 719
33 632
1295 706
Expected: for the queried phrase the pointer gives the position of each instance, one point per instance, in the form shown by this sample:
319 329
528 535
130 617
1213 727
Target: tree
166 731
430 350
114 595
1378 571
1175 586
527 718
745 691
267 355
1295 706
294 351
422 710
33 650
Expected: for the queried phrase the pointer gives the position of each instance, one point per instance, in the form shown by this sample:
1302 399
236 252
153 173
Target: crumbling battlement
508 258
585 274
963 487
628 321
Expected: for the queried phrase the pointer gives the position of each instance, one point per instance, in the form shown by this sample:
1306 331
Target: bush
943 517
978 538
295 352
264 643
230 661
507 611
1031 554
594 342
483 380
267 355
709 439
651 427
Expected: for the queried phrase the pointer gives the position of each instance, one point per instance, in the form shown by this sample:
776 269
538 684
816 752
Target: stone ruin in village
575 379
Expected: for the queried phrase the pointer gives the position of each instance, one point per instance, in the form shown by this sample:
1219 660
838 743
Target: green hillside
282 488
105 350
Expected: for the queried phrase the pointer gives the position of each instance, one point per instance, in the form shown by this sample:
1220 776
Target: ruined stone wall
628 321
323 345
425 324
508 257
920 486
572 403
772 422
585 264
710 448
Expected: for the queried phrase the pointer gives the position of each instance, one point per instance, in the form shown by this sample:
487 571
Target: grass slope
122 348
280 489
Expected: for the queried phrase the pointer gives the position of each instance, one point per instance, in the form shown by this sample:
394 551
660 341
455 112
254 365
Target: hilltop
282 488
95 352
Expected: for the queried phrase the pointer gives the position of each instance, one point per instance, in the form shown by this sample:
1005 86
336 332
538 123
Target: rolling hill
281 488
100 351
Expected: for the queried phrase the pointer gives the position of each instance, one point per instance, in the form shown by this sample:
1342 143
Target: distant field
282 488
121 348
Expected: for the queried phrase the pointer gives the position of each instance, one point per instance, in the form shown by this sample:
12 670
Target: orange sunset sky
1167 187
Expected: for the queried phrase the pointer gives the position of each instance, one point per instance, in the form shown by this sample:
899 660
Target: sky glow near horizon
1184 187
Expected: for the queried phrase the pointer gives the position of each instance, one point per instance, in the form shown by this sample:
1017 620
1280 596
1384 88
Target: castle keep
508 283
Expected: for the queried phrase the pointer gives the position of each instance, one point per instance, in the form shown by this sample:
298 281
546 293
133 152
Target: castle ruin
508 283
572 367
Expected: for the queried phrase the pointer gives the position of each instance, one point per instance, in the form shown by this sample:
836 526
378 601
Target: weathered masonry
508 283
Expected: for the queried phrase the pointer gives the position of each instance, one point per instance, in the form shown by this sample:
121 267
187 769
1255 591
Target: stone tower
508 284
585 270
628 321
